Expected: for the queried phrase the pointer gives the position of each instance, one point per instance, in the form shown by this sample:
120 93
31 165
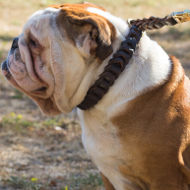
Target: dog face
50 61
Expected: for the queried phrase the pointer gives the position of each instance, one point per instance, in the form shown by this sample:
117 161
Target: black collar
111 72
121 58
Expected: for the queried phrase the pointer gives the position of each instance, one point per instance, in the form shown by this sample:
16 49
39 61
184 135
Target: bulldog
138 134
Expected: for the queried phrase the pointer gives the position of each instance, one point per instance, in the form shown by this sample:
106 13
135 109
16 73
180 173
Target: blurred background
43 153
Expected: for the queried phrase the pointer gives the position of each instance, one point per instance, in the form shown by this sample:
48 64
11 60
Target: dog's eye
34 46
33 43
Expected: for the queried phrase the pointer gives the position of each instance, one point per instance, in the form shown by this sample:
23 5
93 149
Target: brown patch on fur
76 20
154 132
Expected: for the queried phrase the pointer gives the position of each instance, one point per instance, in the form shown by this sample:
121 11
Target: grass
17 94
22 183
20 123
15 119
77 182
91 180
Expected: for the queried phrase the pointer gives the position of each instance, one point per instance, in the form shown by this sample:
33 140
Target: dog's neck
149 67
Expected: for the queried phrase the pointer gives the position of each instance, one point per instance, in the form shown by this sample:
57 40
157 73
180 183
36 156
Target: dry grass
37 152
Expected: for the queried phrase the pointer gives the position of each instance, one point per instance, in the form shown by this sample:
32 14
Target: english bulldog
138 134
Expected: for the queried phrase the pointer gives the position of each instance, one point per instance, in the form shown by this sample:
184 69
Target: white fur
149 67
119 23
49 10
35 19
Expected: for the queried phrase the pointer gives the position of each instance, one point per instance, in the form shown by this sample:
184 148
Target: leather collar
111 72
121 58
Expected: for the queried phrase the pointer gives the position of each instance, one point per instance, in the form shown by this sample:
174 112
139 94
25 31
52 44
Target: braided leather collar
111 72
121 58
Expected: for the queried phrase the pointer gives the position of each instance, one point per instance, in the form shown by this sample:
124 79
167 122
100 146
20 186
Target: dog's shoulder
171 96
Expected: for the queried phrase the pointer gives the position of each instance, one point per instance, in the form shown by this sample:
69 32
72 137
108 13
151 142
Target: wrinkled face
50 59
29 65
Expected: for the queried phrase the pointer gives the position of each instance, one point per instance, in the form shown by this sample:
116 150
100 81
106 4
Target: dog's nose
15 43
4 66
5 70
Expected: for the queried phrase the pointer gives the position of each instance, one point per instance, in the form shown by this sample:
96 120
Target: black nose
15 43
4 66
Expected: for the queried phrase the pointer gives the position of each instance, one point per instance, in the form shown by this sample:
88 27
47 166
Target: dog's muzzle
5 64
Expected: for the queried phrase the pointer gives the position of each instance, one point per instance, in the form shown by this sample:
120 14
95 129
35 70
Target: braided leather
153 23
121 58
111 72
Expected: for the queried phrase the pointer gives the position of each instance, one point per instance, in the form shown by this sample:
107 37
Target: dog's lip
26 57
6 72
34 76
36 73
32 70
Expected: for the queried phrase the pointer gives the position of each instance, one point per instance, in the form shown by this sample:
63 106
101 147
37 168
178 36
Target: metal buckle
181 17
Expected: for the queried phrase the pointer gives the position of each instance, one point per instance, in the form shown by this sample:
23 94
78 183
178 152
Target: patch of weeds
51 122
19 123
92 180
65 188
22 183
15 120
17 95
58 121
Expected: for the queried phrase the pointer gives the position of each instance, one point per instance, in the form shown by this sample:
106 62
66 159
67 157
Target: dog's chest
101 143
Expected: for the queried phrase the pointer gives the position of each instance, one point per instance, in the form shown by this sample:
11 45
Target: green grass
16 122
19 123
75 183
19 183
78 182
91 180
17 94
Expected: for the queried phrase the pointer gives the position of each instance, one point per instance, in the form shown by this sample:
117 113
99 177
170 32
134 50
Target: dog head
54 58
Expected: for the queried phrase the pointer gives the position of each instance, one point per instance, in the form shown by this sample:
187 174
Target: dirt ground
46 153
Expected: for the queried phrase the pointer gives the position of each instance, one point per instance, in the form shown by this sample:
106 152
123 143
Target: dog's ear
91 33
